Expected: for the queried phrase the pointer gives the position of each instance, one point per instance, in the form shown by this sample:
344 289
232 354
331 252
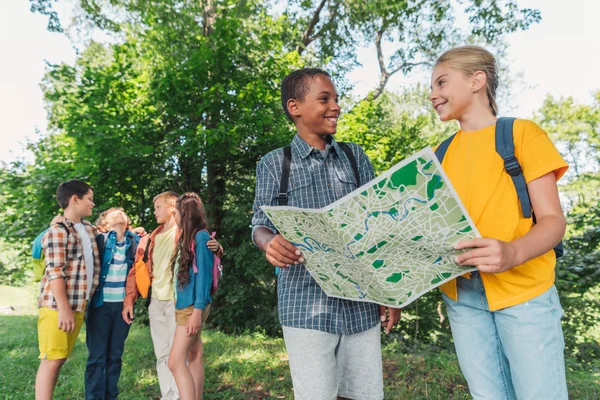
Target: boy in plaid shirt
69 281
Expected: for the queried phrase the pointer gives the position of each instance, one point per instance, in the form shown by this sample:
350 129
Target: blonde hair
169 197
470 59
101 223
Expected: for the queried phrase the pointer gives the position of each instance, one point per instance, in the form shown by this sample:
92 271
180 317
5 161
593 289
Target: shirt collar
303 149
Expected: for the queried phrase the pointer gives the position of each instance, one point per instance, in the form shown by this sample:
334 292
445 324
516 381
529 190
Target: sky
559 56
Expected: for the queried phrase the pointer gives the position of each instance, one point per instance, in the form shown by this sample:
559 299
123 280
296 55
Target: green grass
248 366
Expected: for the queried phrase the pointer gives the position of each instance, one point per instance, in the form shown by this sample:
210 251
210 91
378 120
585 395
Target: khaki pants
162 329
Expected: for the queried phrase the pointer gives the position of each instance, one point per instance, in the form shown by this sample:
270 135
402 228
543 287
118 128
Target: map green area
388 242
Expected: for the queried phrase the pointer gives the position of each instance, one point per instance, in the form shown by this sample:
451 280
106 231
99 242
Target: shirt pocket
300 191
347 181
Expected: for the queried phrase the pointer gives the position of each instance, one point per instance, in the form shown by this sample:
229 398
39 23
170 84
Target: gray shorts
325 365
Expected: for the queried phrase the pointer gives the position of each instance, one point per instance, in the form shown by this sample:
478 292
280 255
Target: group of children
89 275
505 318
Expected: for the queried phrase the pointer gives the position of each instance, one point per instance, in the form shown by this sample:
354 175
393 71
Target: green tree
187 99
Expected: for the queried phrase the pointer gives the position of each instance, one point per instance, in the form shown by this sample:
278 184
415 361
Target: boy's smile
318 112
85 204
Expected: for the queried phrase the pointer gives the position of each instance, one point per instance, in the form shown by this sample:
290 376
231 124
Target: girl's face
451 92
177 216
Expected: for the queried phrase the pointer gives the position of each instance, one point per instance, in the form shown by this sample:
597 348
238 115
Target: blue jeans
516 352
105 338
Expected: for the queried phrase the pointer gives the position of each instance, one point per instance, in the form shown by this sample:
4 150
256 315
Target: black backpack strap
440 152
101 242
505 147
145 258
65 227
348 151
282 197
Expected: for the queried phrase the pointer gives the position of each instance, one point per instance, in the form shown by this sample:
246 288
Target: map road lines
389 241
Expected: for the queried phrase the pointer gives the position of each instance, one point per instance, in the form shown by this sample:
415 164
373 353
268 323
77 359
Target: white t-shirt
88 255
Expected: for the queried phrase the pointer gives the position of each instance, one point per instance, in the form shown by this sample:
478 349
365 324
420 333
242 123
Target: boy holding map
333 344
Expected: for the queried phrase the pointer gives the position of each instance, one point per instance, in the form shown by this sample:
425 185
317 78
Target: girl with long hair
191 268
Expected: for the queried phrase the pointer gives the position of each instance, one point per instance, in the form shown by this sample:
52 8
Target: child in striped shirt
106 329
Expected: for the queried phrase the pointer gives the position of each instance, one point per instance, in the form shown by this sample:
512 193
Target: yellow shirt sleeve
539 156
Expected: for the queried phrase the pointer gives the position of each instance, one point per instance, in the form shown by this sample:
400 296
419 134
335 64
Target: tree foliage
575 128
187 99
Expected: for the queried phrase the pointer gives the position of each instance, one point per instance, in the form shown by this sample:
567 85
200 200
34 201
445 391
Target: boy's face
117 220
162 211
318 112
84 206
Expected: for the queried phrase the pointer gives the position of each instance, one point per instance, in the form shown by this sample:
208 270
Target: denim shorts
515 352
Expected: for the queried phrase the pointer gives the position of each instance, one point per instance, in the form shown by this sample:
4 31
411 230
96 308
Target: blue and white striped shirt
114 285
315 182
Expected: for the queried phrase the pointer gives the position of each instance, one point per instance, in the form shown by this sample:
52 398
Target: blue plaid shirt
315 182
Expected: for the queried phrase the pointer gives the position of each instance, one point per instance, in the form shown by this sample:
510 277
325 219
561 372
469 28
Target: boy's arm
66 319
278 251
216 247
55 244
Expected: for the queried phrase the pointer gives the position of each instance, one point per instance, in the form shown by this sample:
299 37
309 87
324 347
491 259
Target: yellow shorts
54 343
182 315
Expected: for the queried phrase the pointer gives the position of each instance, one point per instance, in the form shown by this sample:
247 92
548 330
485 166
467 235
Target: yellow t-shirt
162 288
477 173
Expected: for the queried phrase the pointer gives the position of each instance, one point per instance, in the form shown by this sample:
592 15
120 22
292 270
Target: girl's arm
204 261
494 256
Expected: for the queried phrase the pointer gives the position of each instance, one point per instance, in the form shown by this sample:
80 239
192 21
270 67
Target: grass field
248 366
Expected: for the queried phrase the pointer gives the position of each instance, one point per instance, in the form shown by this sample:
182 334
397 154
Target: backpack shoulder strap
282 197
145 258
440 152
101 242
65 227
348 151
505 147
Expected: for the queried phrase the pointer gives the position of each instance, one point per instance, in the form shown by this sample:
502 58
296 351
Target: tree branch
306 37
209 18
385 74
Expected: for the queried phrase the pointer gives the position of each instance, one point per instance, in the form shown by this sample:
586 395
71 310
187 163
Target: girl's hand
194 322
488 255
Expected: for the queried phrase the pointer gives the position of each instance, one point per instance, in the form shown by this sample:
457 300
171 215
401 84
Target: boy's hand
213 245
140 231
194 322
66 320
282 253
488 255
391 319
127 313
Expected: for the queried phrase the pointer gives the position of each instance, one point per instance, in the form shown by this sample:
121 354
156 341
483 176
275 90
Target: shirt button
329 185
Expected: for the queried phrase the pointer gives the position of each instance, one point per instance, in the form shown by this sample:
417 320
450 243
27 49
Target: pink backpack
217 269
